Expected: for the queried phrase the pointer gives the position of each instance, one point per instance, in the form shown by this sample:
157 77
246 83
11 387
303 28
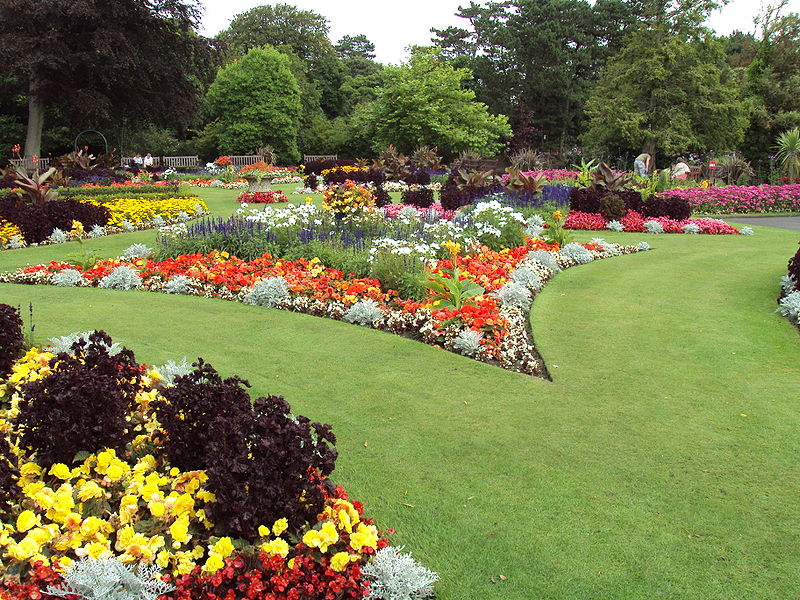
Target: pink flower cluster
393 210
741 198
633 221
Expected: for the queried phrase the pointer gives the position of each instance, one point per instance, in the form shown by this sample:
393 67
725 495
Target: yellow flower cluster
7 231
143 210
340 519
345 169
131 505
348 198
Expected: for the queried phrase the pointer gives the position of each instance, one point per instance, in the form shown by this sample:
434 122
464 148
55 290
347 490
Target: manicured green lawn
634 474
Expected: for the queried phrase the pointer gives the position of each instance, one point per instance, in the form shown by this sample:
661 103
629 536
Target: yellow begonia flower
116 470
157 509
96 550
277 547
279 526
366 535
61 471
323 538
26 520
214 563
224 547
179 530
339 561
90 490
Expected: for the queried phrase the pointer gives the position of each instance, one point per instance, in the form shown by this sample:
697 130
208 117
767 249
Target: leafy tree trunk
33 140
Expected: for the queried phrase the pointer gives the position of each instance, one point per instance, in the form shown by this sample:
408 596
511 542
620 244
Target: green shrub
612 207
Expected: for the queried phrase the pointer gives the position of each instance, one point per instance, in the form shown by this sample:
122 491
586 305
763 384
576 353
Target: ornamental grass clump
121 278
260 460
67 278
268 292
364 312
397 576
12 341
82 405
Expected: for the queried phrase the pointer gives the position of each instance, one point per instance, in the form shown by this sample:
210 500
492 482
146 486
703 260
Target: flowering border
517 351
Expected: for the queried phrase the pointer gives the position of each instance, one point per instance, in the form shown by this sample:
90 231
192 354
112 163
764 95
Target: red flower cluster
583 220
271 580
40 577
270 197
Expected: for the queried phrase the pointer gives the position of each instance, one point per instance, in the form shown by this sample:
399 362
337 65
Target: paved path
779 222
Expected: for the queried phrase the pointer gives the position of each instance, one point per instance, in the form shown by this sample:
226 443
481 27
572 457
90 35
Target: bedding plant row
789 299
172 480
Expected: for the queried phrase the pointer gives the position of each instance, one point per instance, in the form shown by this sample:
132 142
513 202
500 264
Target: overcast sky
392 26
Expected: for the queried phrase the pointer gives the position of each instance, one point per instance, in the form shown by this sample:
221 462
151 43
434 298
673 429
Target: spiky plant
788 153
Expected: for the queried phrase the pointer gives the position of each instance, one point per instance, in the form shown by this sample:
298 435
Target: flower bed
137 211
490 327
433 212
741 199
108 462
789 299
633 221
271 197
218 183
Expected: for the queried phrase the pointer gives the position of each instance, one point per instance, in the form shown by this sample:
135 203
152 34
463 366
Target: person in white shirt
148 160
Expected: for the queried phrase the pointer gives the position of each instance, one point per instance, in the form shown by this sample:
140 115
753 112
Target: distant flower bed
270 197
741 199
218 183
176 473
137 210
554 174
432 213
633 221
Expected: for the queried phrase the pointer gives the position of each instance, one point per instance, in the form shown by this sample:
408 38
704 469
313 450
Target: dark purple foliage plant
12 341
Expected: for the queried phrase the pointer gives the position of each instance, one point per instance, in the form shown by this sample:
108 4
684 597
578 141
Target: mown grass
634 474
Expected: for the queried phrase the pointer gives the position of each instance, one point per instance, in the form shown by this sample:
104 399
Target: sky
392 26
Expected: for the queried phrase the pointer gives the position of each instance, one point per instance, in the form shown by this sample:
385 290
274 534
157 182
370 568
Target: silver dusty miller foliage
397 576
268 292
363 312
109 579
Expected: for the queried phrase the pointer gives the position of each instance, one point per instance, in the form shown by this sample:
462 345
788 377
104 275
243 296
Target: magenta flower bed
741 198
633 221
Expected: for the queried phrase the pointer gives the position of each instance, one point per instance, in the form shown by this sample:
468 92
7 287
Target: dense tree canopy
97 60
424 102
256 100
666 93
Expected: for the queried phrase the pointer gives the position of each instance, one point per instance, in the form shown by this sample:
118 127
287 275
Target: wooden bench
307 158
495 165
244 160
27 163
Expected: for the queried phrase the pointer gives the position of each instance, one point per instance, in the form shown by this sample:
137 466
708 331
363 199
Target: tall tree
304 31
544 53
772 80
257 101
97 59
669 90
423 102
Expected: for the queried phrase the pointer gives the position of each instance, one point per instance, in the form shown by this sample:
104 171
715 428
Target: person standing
642 164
